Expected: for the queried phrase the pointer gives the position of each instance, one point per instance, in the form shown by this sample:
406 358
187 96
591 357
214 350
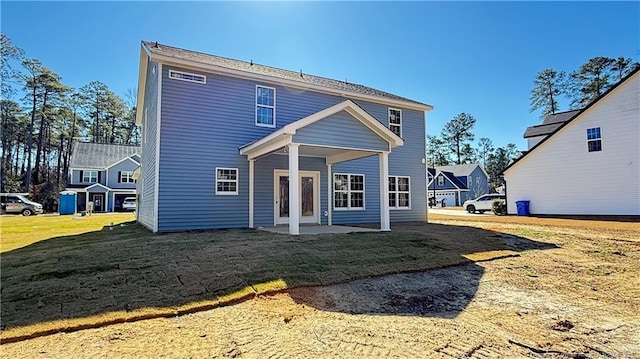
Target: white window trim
397 192
594 139
444 181
129 177
267 106
237 180
389 119
84 172
171 72
348 191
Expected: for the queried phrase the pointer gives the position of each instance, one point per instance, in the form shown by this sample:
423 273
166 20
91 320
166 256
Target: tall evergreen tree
549 84
437 151
457 132
591 80
485 147
622 66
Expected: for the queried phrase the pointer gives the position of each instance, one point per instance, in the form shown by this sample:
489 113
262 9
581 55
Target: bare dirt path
580 299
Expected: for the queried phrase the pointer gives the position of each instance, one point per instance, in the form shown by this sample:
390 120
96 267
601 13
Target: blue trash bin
522 208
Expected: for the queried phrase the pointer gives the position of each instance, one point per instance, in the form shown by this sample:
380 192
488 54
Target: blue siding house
228 143
458 183
103 174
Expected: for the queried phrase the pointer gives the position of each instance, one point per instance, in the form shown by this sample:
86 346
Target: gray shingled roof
459 170
99 156
551 123
198 57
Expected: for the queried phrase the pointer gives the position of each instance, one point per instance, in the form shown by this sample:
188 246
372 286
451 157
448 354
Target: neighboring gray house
551 122
457 183
229 143
103 174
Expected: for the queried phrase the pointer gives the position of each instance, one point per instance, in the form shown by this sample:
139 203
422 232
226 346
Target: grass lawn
18 231
125 273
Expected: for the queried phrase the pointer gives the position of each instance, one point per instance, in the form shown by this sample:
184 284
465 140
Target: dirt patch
578 298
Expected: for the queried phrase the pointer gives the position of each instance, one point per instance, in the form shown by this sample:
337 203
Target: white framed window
126 177
187 76
395 121
399 192
594 139
265 106
89 176
441 180
348 191
226 181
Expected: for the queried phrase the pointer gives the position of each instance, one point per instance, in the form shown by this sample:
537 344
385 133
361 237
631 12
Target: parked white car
483 203
129 204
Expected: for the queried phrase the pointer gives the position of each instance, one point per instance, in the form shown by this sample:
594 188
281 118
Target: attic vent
185 76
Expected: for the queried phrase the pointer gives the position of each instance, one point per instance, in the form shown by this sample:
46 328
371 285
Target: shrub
499 207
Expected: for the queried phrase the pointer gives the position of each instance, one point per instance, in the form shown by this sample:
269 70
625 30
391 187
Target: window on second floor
594 139
89 176
126 177
265 106
441 180
395 121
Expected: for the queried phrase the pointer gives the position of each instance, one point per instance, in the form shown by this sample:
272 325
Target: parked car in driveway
483 203
18 203
129 204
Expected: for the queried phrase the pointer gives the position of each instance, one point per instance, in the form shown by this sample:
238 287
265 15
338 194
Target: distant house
103 174
457 183
230 144
590 164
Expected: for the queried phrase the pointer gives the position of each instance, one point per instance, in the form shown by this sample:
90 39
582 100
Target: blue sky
475 57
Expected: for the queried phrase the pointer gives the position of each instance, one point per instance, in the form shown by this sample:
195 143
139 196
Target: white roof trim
99 185
284 135
270 79
124 159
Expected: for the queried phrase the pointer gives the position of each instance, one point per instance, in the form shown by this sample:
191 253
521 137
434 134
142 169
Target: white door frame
316 197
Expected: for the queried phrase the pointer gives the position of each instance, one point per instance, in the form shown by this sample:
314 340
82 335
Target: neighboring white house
588 166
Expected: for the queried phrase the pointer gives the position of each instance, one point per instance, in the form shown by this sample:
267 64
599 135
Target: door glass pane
307 196
284 196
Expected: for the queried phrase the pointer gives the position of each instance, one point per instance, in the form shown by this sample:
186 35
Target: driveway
457 212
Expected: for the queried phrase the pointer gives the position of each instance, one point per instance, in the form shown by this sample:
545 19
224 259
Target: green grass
18 231
127 273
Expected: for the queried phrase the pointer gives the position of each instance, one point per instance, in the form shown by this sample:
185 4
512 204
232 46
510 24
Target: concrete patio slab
316 229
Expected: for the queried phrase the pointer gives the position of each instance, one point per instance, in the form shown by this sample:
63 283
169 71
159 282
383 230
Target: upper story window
594 139
226 181
441 180
265 106
399 192
89 176
348 191
126 177
186 76
395 121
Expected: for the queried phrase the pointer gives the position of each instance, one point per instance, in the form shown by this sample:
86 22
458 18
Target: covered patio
340 133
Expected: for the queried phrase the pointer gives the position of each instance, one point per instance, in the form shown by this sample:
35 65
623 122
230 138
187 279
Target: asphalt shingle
98 155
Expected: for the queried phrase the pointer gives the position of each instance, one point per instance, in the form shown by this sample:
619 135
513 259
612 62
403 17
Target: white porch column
329 193
294 190
251 186
385 224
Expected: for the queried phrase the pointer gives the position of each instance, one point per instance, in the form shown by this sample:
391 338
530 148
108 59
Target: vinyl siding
146 183
77 179
203 125
325 132
477 185
561 177
112 179
447 184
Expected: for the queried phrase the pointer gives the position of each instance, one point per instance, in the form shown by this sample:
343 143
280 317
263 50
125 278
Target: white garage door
449 198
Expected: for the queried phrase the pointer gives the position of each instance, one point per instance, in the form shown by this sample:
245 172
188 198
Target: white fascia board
99 185
289 83
142 82
124 159
348 156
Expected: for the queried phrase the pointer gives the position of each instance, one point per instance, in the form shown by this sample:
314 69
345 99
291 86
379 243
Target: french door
308 193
